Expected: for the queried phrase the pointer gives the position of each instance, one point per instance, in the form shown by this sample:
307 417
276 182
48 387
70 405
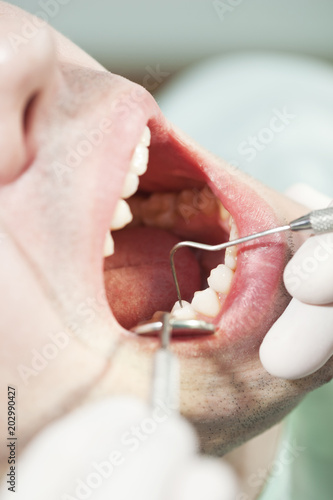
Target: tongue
138 278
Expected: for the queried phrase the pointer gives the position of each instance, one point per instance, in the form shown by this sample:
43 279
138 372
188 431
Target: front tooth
220 279
139 161
146 136
130 185
108 245
185 312
122 215
206 302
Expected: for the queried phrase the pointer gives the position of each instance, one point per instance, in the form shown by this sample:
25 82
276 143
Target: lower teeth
185 311
220 279
206 302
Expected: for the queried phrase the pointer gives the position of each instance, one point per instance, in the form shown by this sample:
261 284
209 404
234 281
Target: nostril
27 79
28 112
29 123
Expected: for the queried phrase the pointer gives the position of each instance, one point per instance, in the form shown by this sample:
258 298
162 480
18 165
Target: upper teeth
138 166
146 137
130 185
121 216
139 161
224 214
108 245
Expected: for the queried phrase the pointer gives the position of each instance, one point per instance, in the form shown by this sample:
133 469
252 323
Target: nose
27 70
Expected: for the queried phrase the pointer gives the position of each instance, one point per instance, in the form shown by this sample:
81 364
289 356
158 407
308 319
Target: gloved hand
301 341
120 449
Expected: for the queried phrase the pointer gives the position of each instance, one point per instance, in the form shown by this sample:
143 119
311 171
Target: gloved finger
205 478
166 467
104 446
300 341
118 448
71 447
309 274
151 467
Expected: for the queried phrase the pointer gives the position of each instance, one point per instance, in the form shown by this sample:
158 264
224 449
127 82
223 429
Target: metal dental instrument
166 379
318 221
179 327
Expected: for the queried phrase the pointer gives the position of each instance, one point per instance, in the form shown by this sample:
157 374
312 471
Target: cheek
26 316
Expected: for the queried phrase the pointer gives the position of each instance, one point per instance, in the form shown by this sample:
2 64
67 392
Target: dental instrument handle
166 378
318 221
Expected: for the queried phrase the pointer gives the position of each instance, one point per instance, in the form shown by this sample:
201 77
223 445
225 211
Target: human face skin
53 224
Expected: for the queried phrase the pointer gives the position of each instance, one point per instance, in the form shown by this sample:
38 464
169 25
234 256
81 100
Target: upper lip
177 160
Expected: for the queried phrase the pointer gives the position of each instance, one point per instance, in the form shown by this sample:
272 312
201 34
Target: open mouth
156 222
172 193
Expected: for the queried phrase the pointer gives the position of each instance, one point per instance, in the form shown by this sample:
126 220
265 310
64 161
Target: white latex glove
120 449
301 341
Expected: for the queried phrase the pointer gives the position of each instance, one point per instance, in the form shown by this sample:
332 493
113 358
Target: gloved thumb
309 275
301 340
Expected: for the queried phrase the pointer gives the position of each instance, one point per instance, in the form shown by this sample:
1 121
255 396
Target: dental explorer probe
318 221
